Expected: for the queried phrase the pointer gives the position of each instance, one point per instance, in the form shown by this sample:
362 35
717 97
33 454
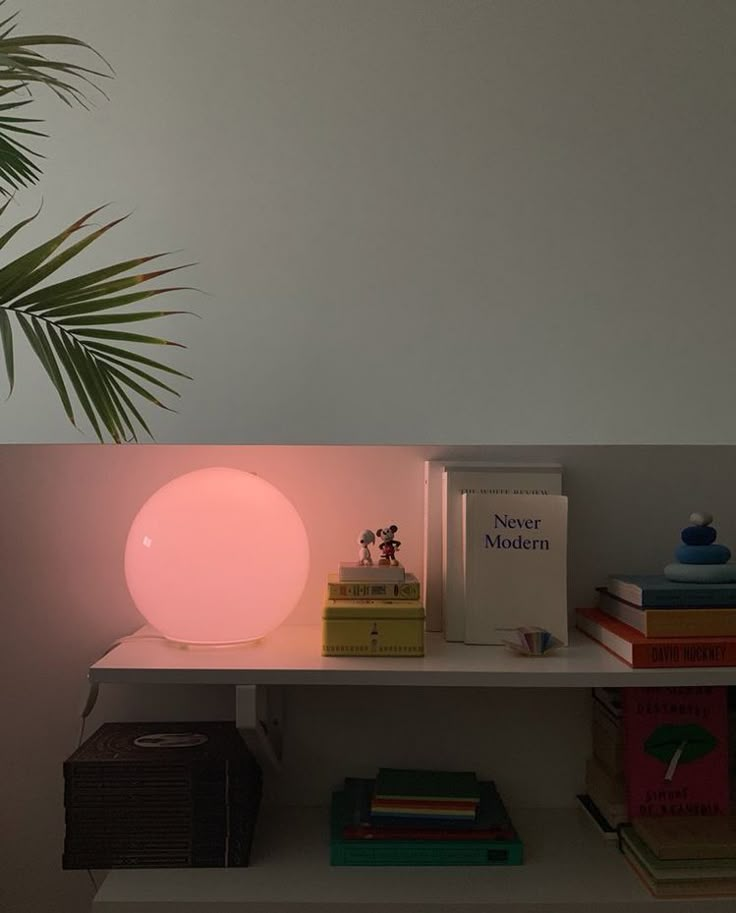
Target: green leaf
127 337
66 360
139 373
10 234
103 319
66 324
134 356
128 402
666 739
6 332
36 337
112 391
96 305
89 285
49 266
96 390
18 270
85 291
137 388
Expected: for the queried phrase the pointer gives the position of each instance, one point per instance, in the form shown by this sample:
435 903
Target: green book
438 785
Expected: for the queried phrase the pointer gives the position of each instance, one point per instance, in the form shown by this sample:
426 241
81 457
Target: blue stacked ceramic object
700 559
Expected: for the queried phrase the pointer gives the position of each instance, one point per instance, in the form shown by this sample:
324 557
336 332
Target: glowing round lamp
216 556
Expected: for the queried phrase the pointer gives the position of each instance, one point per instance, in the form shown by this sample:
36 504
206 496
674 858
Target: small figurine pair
388 547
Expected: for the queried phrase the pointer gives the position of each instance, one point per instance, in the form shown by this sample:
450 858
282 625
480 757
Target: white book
444 484
515 556
351 572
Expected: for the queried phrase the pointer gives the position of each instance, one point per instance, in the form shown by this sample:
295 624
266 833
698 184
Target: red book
676 751
642 652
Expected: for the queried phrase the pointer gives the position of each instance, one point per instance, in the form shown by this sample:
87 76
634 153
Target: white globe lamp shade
216 556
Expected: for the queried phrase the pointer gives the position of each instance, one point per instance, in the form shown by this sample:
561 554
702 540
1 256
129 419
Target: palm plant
72 325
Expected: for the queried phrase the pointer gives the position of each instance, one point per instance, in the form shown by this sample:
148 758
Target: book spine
689 654
688 598
432 546
453 593
671 622
631 615
690 623
607 740
671 599
336 590
431 853
367 832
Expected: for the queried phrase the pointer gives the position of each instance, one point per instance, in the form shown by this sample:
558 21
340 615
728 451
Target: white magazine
444 482
515 556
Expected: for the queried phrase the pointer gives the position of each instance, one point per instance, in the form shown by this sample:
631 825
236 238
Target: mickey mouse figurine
389 546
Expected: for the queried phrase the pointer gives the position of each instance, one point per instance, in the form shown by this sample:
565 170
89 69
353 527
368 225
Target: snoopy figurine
389 546
364 555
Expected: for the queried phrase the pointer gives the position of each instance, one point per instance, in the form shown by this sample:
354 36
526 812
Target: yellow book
369 589
373 608
373 629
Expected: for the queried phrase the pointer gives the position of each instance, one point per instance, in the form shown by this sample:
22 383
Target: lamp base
210 644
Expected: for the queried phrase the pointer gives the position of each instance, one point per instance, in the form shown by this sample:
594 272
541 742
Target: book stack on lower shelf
420 817
683 856
677 788
373 610
605 781
651 622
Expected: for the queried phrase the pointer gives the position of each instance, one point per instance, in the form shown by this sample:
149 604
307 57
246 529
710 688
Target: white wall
418 221
66 514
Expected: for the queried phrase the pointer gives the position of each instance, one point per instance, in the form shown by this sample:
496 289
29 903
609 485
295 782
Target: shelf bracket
259 712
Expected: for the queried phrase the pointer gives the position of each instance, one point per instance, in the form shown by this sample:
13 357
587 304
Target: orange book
642 652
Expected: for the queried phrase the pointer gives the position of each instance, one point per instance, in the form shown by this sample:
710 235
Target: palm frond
75 328
24 65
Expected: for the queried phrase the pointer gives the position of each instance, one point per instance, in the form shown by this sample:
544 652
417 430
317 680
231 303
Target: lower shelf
568 866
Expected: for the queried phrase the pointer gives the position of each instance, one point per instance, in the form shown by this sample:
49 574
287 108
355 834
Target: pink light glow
216 556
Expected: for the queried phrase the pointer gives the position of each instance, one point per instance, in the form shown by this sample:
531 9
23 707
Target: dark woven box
160 795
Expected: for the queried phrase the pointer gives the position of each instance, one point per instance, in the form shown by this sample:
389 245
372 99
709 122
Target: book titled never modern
445 484
515 564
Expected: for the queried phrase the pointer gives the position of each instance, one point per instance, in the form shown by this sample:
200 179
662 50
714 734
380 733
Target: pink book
676 751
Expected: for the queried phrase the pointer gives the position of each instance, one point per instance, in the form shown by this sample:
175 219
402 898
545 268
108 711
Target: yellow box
372 629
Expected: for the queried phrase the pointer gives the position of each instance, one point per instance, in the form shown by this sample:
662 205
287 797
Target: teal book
656 591
361 852
436 785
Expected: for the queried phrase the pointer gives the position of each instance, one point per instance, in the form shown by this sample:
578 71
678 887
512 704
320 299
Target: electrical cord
135 637
93 688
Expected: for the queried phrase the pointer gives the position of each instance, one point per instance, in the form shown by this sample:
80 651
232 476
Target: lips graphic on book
673 745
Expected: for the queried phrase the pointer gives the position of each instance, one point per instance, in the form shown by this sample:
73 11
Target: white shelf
568 867
291 656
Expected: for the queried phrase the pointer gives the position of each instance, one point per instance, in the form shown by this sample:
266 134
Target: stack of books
425 797
605 782
649 622
683 856
373 610
420 817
